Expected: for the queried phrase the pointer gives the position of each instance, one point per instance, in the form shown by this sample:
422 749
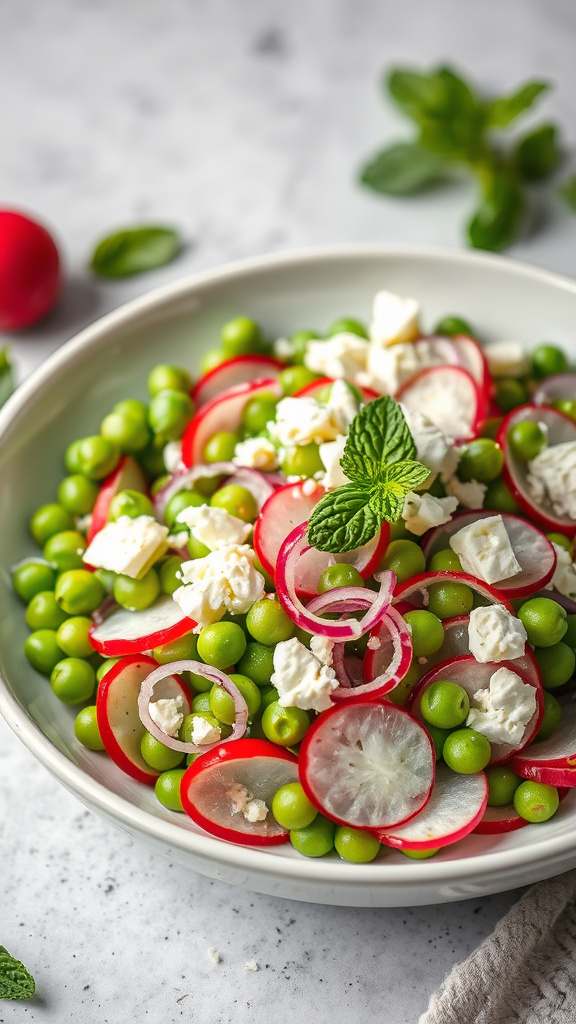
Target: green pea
339 575
302 460
222 705
131 504
159 484
556 664
186 647
294 378
502 784
135 595
268 623
258 411
187 726
398 531
490 427
284 726
168 378
177 504
355 845
449 326
510 393
97 457
257 662
445 561
466 751
106 578
438 737
481 460
544 621
427 632
535 801
127 426
86 729
450 599
201 702
169 414
292 808
269 695
405 558
499 498
220 447
158 755
316 839
167 789
170 574
71 457
43 611
570 634
399 695
237 501
65 550
526 439
77 494
79 592
105 667
551 717
268 581
221 644
566 406
151 458
347 325
31 577
49 520
561 541
196 549
73 637
444 704
211 359
299 341
241 336
548 360
42 650
420 854
73 680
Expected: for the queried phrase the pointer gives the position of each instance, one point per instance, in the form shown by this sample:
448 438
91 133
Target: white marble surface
242 123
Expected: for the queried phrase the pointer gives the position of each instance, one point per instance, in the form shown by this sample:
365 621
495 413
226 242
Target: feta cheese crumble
564 578
344 356
214 527
214 955
322 647
168 713
127 546
434 449
485 550
470 494
552 477
257 453
300 677
389 368
422 511
251 965
244 802
394 319
172 455
303 420
330 453
504 708
203 732
495 635
224 580
506 359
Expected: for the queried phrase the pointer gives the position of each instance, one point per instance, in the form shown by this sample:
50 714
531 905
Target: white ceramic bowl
67 397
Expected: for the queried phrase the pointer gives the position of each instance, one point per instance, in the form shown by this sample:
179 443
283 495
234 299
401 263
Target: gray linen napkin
525 972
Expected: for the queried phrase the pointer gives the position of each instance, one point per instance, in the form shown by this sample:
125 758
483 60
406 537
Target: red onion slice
415 589
560 386
183 480
255 481
200 669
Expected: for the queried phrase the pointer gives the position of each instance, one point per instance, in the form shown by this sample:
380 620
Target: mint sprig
15 981
379 461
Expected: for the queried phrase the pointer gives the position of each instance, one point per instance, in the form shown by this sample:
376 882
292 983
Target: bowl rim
121 810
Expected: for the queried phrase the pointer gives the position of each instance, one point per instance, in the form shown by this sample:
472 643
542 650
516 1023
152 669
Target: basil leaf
402 169
134 251
378 435
502 111
538 153
15 981
343 520
498 218
568 192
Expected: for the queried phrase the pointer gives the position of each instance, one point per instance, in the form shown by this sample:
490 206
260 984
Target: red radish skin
497 820
126 476
473 360
367 764
415 589
311 390
532 549
124 632
224 412
456 806
30 275
552 761
240 370
257 764
117 713
456 384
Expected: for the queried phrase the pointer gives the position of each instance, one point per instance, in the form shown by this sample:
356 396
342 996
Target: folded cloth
525 972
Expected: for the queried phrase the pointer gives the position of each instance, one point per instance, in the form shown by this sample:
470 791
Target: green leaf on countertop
135 250
499 215
502 111
15 981
402 169
538 153
568 192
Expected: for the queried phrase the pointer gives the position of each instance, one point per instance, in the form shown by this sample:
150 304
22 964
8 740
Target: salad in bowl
325 594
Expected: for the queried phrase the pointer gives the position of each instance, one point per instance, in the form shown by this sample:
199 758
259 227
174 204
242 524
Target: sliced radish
312 389
126 477
184 479
369 765
240 370
117 712
455 807
497 820
552 761
561 386
257 765
291 506
532 549
449 397
125 632
473 676
473 359
224 412
415 589
561 428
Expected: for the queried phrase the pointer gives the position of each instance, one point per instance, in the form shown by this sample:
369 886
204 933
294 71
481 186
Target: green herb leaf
15 981
135 250
502 111
498 218
416 94
378 436
400 479
402 169
538 153
568 192
343 520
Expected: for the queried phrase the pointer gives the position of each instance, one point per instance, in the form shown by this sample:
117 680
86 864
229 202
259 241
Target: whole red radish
30 278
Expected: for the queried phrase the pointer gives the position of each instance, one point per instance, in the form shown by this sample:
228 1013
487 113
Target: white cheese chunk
564 578
495 635
331 452
283 349
322 647
485 550
506 359
214 527
342 357
503 709
470 494
172 455
168 713
127 546
300 677
343 404
394 319
422 511
225 580
303 420
389 368
204 732
434 449
244 802
552 477
257 453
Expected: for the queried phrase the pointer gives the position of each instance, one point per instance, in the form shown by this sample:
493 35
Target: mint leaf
538 153
343 520
400 479
502 111
568 192
378 435
402 169
15 981
497 220
135 250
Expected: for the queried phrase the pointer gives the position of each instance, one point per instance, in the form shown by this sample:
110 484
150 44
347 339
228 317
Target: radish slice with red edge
261 767
456 805
119 723
185 479
561 428
473 359
152 684
291 506
316 386
125 632
497 820
473 676
240 370
561 386
224 412
532 549
552 761
126 477
449 397
456 645
415 589
369 765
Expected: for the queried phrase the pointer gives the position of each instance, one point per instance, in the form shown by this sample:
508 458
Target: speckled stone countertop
242 123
